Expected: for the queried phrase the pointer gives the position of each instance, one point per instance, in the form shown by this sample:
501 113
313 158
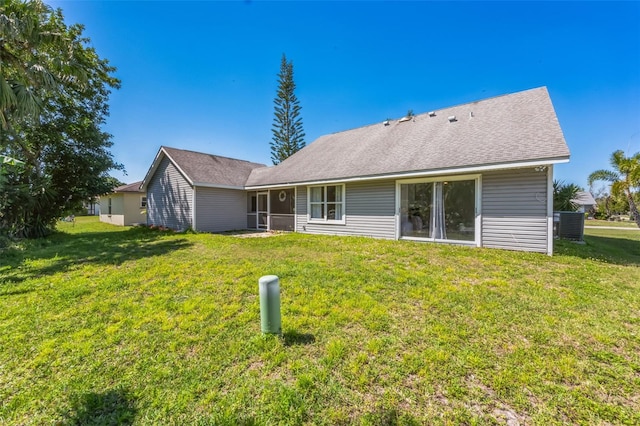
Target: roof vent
432 113
470 114
410 116
386 122
452 118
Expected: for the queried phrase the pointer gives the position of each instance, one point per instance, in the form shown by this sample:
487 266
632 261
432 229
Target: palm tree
624 177
35 55
563 196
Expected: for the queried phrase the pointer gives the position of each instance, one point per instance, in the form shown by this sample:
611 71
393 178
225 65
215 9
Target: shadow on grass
292 338
113 407
390 417
63 251
15 292
621 249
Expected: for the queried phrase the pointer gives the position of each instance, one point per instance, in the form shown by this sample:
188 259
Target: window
143 202
439 209
109 205
326 203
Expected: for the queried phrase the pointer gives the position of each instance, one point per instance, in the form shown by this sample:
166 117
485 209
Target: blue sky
203 75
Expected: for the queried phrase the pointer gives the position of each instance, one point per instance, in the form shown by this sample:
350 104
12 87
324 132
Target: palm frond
617 159
618 188
7 96
634 173
605 175
5 159
564 196
27 103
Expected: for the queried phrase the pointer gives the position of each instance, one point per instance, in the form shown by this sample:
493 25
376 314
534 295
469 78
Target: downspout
193 213
478 219
398 206
550 210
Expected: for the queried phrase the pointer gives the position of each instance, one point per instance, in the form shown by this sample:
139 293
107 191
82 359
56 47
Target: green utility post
270 304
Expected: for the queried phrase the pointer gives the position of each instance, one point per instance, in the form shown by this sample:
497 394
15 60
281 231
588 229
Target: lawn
108 325
610 223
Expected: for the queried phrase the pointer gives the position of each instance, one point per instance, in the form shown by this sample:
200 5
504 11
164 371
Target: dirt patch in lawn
253 234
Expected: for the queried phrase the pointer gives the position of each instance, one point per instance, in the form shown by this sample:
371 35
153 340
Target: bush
600 215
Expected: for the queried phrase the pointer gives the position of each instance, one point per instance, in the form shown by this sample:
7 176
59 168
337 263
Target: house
125 206
187 189
477 174
585 201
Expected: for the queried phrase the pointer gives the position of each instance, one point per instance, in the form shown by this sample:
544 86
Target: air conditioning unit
570 225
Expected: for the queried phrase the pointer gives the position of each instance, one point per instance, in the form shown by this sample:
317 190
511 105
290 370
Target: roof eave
218 186
410 174
154 167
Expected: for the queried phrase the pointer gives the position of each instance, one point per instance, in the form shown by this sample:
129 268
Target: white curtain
439 229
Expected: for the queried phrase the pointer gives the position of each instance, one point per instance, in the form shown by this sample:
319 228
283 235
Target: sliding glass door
416 208
436 210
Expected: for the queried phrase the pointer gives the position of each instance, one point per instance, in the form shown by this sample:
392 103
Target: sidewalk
612 227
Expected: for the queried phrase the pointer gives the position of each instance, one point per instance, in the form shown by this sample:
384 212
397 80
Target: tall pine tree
288 135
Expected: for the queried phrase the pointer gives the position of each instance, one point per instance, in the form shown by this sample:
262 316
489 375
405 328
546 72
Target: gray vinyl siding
252 220
169 198
514 210
370 211
219 210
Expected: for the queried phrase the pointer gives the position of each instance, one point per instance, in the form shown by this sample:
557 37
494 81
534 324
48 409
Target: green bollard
269 286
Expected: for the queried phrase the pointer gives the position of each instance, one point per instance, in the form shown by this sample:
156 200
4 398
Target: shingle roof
132 187
584 198
515 128
206 169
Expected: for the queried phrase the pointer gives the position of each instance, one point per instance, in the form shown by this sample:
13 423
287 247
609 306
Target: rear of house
125 206
478 174
193 190
499 209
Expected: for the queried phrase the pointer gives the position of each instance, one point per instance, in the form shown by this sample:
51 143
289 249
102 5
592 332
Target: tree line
54 90
623 193
624 177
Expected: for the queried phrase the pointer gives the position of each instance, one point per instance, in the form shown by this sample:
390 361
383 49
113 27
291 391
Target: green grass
108 325
609 223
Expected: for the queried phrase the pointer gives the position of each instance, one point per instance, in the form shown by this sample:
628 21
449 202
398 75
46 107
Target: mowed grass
610 223
108 325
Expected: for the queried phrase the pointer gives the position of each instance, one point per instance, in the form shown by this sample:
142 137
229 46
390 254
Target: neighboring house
585 201
125 206
478 174
187 189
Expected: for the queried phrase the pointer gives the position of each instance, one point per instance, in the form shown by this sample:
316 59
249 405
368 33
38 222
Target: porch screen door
263 213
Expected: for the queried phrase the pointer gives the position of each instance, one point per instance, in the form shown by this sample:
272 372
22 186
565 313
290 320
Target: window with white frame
441 208
143 202
326 203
